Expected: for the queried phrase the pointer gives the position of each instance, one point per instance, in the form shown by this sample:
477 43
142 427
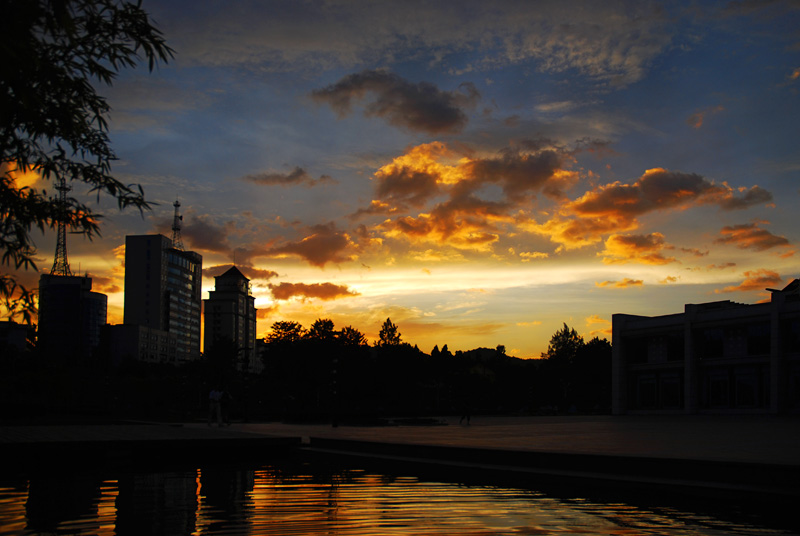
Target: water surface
314 499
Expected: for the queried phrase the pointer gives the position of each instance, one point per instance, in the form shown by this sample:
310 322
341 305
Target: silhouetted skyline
480 173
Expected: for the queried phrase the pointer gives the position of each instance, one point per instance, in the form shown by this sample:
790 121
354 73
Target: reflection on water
305 499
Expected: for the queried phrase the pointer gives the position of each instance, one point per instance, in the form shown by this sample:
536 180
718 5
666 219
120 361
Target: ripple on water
307 500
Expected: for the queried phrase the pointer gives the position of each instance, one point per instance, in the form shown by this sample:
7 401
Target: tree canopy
389 335
285 331
564 345
53 122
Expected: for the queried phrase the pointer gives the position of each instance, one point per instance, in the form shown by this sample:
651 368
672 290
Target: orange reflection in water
295 500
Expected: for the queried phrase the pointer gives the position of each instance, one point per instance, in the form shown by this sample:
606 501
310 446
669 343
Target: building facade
70 317
163 290
714 357
230 315
130 342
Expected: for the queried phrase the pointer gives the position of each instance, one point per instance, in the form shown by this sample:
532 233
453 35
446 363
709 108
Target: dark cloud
375 207
249 272
322 291
201 232
417 107
752 196
520 173
325 244
298 176
750 236
405 184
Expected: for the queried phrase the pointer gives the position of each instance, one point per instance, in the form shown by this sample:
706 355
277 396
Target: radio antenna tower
60 262
177 242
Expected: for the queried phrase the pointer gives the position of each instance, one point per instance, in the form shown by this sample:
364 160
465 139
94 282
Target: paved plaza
752 453
740 438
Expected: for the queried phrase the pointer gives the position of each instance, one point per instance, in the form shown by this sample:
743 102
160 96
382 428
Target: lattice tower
60 262
177 242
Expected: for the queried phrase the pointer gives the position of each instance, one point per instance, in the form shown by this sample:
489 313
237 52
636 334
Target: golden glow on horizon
22 179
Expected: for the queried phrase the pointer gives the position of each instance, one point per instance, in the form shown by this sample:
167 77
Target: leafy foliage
389 335
285 331
53 120
322 330
351 337
564 345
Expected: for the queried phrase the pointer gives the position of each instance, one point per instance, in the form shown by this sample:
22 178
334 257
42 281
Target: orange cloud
105 285
464 219
625 283
595 320
528 256
616 207
266 312
322 291
750 236
757 280
645 249
696 120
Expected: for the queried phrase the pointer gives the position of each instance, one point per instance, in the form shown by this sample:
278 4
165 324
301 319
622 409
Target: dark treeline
324 372
320 374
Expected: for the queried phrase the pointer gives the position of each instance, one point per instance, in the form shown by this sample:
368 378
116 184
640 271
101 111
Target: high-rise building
163 290
230 315
70 316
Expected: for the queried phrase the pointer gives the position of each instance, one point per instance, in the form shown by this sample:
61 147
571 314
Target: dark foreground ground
746 466
754 452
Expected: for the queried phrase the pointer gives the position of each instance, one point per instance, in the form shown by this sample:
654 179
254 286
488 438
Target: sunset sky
479 172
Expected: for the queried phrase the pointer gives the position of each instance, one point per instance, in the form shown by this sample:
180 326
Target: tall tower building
70 314
230 315
163 290
70 317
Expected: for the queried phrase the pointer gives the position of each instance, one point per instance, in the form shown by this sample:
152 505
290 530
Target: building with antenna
70 314
230 317
163 292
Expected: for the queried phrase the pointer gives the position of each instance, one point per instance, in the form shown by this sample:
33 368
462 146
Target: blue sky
479 172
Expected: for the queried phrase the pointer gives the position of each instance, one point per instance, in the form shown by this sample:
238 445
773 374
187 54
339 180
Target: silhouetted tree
351 337
321 330
285 331
564 344
388 336
55 53
592 376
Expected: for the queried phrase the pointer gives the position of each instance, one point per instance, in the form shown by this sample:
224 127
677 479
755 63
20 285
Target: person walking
214 408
